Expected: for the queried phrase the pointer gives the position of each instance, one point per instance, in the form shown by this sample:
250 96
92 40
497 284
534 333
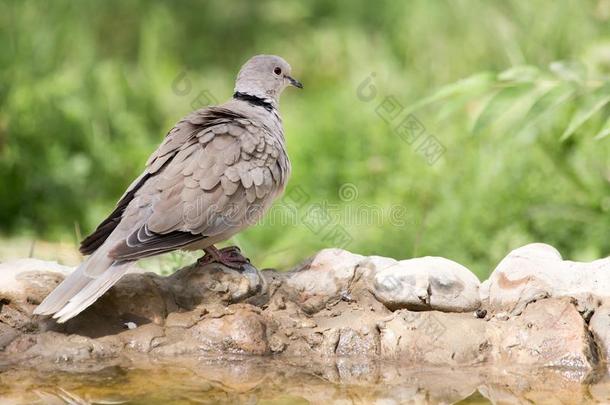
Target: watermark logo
182 86
348 192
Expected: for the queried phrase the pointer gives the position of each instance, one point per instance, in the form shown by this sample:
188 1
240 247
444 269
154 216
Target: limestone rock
143 338
243 331
195 284
425 283
433 337
537 271
599 325
362 342
23 284
322 278
27 281
337 306
140 298
549 333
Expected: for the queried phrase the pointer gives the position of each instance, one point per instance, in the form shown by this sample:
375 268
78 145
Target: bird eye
277 71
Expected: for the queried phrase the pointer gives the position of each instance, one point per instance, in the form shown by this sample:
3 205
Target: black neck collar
254 100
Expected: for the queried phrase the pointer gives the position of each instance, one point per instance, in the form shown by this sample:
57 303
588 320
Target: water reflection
275 381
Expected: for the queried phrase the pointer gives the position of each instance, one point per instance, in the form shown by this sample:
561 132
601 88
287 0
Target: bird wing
214 174
180 136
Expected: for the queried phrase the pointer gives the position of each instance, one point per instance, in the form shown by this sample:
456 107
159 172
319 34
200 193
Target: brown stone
548 333
599 325
243 332
326 310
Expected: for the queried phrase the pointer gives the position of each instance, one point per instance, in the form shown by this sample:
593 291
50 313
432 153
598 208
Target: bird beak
294 82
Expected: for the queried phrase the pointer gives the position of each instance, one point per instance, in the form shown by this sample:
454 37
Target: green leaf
569 70
472 85
556 95
592 105
524 73
498 105
604 131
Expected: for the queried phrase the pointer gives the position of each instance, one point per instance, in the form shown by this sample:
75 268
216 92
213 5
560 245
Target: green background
89 88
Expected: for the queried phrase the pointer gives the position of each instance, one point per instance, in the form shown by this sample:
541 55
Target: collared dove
216 172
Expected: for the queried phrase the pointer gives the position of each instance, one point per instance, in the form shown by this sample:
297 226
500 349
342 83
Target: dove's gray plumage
216 172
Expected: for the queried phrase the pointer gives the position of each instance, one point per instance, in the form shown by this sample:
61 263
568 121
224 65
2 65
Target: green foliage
88 89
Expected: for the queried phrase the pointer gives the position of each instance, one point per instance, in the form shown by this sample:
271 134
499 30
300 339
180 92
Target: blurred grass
86 94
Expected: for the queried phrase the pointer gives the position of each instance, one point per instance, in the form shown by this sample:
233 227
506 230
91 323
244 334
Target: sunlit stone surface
420 328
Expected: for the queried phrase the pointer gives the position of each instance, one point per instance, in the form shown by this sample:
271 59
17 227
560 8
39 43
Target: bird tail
91 279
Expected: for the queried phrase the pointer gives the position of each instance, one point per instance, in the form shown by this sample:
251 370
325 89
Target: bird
216 172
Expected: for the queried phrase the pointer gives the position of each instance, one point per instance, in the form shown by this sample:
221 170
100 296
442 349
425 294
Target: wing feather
195 201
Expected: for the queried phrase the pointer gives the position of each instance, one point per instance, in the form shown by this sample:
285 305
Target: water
275 381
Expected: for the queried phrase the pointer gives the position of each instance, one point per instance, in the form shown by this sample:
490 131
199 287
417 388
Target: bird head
265 77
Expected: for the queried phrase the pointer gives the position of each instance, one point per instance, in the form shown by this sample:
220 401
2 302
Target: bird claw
230 257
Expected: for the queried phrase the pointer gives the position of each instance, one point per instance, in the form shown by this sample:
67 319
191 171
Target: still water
274 381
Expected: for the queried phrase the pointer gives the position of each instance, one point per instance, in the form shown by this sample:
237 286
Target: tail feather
83 286
94 289
60 296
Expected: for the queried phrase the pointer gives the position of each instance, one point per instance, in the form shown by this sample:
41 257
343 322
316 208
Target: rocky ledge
535 310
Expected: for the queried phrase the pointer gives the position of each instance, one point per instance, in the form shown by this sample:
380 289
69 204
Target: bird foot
230 257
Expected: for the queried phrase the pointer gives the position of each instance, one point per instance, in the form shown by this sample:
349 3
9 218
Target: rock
26 282
143 338
23 284
242 331
422 283
361 343
59 349
139 299
549 333
337 306
433 337
194 285
15 315
7 335
322 278
599 325
426 283
185 319
537 271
